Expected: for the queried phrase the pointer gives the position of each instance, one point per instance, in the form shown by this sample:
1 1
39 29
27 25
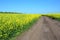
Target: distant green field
54 16
13 24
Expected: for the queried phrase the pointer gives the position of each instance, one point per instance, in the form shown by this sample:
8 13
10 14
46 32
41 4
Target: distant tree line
11 12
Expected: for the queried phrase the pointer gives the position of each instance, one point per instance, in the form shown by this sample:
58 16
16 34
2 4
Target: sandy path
44 29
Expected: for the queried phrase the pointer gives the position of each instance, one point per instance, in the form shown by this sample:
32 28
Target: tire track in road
54 27
46 33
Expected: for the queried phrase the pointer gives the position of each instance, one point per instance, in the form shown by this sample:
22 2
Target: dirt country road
45 29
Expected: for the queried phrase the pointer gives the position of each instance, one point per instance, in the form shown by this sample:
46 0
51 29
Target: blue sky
30 6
